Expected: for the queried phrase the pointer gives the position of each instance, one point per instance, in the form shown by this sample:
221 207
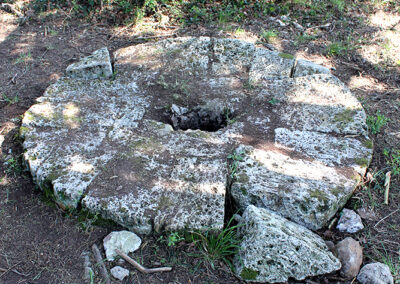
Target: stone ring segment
290 138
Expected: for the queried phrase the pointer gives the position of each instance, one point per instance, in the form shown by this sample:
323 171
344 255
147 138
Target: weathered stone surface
349 222
119 272
274 249
171 180
375 273
305 67
306 192
110 145
96 65
350 254
123 240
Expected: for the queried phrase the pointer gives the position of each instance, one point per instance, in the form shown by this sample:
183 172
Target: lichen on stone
111 142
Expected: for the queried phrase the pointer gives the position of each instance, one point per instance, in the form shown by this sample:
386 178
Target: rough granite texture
274 249
109 144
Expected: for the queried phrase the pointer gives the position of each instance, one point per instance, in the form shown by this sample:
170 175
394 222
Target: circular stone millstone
282 136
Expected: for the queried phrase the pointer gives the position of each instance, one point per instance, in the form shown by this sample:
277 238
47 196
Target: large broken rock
274 249
97 65
149 148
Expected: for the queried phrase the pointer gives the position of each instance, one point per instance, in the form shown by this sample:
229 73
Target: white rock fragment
119 272
349 222
96 65
274 249
375 273
123 240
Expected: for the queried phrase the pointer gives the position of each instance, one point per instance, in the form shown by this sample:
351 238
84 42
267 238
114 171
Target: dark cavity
200 118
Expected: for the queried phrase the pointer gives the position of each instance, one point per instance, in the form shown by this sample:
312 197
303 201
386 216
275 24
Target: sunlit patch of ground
7 24
385 46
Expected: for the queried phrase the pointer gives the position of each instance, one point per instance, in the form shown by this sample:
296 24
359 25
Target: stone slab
109 144
274 249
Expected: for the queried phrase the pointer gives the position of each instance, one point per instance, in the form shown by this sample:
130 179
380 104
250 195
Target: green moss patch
249 274
363 162
345 116
286 55
368 144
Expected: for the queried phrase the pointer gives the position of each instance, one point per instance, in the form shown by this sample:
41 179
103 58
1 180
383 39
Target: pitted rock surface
274 249
97 65
112 145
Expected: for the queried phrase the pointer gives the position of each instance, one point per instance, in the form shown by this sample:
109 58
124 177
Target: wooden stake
102 267
387 186
140 267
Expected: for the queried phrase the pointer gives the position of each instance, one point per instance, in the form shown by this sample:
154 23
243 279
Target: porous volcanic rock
112 145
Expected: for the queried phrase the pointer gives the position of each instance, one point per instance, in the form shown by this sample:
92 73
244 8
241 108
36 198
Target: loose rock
97 65
274 249
375 273
123 240
366 214
305 67
350 254
119 272
349 222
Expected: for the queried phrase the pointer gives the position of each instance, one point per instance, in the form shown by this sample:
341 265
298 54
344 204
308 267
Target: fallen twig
325 26
86 266
9 8
140 267
99 260
152 37
13 79
353 66
387 187
15 271
5 271
332 223
386 217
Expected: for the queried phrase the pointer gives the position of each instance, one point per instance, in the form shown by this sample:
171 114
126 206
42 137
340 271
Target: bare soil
40 243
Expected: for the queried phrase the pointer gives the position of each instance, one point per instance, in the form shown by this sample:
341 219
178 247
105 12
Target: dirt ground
39 243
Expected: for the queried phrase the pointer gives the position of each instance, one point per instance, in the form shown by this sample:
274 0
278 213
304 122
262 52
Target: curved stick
140 267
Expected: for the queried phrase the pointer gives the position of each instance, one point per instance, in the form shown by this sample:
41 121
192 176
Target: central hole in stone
203 118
